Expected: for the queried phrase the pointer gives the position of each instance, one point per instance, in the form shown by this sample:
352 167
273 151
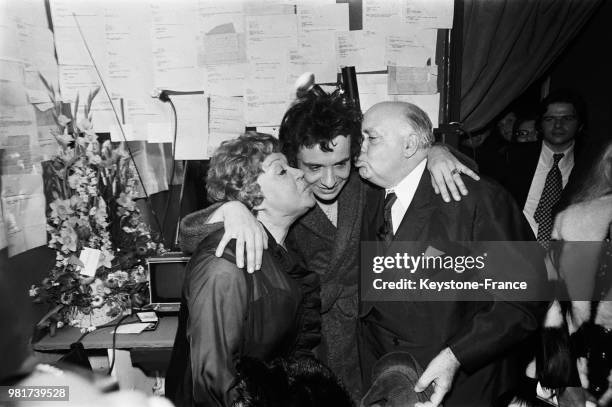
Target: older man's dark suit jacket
482 335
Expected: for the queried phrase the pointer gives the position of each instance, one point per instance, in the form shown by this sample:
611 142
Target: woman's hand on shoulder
240 224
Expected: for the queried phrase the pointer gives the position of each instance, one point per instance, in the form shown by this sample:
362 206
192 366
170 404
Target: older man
469 343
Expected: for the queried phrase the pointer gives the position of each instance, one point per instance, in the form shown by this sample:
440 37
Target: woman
226 313
585 265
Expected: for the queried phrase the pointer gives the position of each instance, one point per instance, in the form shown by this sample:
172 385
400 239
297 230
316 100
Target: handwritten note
413 80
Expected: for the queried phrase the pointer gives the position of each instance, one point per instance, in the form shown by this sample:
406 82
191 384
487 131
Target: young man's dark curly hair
317 120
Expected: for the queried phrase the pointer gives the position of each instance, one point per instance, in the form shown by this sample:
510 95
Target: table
148 351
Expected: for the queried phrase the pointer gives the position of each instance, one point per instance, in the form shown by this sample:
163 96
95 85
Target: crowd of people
368 177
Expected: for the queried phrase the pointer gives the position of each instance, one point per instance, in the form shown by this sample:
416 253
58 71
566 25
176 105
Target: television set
166 275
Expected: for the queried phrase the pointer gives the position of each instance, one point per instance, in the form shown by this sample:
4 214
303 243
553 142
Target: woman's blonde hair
235 167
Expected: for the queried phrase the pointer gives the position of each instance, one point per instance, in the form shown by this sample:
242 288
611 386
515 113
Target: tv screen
166 276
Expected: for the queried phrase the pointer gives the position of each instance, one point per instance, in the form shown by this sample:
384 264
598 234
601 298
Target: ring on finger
455 171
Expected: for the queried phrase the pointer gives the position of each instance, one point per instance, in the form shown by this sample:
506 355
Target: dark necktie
550 196
386 231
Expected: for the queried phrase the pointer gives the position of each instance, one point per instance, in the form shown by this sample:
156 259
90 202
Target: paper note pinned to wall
192 130
428 13
225 80
365 50
413 80
414 49
23 209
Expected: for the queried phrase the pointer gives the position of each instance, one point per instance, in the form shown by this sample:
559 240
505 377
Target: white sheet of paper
323 17
23 207
414 49
226 114
89 257
72 48
365 50
266 108
17 122
174 45
159 132
12 70
372 89
227 48
129 61
428 13
268 7
140 112
225 80
192 131
62 11
221 38
28 12
381 15
317 27
134 328
270 36
429 103
77 78
8 33
413 80
127 134
38 52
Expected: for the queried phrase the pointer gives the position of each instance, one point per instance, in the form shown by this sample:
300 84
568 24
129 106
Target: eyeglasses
564 119
524 133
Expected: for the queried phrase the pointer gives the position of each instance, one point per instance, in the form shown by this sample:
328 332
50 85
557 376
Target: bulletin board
242 56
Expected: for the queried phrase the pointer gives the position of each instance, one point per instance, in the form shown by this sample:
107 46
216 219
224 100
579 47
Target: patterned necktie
386 231
550 196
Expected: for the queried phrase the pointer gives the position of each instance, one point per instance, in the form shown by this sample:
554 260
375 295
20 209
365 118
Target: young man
539 172
321 134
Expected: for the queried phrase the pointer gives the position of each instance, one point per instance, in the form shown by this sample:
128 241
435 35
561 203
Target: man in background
539 172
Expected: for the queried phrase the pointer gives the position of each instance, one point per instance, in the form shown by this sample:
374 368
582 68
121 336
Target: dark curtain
507 45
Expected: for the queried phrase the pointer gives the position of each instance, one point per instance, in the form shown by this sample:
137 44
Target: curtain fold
507 45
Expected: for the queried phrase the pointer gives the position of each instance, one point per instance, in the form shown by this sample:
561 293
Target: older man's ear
410 144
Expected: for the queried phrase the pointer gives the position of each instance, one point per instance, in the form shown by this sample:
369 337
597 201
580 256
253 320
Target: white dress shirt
405 191
545 163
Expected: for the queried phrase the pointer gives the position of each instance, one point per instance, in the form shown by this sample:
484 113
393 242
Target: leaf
44 81
76 261
90 98
76 108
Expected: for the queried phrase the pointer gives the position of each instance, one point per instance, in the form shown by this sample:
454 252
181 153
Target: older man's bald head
401 117
396 138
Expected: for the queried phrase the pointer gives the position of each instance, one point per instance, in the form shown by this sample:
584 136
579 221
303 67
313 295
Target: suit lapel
418 213
350 204
316 221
